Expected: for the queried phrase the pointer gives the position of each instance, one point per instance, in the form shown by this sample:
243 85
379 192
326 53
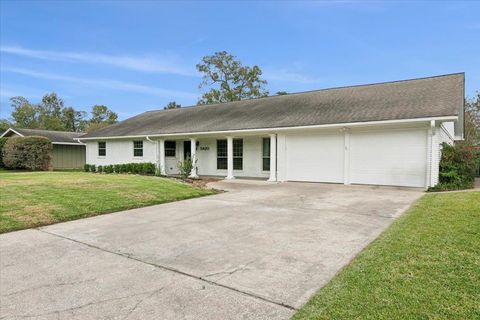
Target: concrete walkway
258 251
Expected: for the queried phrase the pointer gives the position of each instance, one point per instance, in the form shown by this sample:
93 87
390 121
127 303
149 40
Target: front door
187 152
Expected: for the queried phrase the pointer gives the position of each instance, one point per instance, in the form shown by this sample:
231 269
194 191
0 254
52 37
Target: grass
32 199
425 266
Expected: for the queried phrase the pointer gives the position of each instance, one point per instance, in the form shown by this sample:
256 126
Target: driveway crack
167 268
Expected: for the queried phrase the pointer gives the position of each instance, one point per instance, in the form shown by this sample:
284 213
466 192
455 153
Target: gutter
279 129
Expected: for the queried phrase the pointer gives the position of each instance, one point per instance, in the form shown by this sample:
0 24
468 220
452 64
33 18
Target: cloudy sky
136 56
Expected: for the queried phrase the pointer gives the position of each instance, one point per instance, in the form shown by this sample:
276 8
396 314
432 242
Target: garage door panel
315 157
388 158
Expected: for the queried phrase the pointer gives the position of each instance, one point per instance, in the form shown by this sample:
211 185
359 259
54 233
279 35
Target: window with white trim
266 154
222 154
170 148
102 148
138 148
237 154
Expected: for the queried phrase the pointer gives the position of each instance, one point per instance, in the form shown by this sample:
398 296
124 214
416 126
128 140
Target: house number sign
205 148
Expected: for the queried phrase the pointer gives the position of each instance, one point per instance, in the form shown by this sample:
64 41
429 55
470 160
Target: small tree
2 143
32 153
172 105
185 167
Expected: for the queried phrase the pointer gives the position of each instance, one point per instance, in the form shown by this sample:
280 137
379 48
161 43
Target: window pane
237 163
221 148
222 163
237 147
138 152
102 148
266 147
138 144
170 148
266 164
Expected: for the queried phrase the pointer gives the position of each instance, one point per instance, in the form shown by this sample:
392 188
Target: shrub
148 168
457 167
2 143
32 153
185 167
143 168
117 168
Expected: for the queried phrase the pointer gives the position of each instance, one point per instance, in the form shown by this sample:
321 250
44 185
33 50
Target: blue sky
137 56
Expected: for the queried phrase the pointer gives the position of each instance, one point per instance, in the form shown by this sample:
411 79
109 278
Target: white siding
119 151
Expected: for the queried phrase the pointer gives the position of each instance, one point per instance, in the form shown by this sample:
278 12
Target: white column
162 157
193 156
230 158
346 157
273 157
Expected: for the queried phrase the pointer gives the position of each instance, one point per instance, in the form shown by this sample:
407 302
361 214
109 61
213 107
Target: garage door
315 157
396 158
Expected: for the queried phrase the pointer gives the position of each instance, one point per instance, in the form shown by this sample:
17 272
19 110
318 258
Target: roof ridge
315 90
62 131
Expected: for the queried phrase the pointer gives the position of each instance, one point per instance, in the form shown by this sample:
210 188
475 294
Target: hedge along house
67 152
381 134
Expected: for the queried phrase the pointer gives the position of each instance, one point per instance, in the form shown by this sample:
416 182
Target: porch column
161 142
193 156
230 158
273 157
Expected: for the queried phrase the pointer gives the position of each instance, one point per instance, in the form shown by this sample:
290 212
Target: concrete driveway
258 251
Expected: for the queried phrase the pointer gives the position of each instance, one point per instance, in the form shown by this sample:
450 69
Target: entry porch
253 156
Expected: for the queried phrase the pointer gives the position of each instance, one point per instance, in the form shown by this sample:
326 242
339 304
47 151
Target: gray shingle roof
408 99
54 136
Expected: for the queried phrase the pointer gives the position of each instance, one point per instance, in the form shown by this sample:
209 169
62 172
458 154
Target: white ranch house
380 134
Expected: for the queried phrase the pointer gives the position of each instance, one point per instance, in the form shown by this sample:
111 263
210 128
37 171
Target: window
102 148
266 154
221 154
170 149
237 154
138 148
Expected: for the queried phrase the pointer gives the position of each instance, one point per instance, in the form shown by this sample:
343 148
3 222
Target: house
381 134
67 153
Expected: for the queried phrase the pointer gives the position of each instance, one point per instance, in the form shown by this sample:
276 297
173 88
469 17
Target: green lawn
31 199
425 266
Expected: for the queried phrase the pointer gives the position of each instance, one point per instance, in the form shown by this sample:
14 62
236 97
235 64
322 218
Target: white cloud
144 64
107 83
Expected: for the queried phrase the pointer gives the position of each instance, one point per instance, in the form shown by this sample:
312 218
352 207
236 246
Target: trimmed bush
86 167
143 168
2 143
31 153
457 167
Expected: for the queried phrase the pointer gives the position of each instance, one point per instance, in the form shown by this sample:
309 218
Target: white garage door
396 158
315 157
